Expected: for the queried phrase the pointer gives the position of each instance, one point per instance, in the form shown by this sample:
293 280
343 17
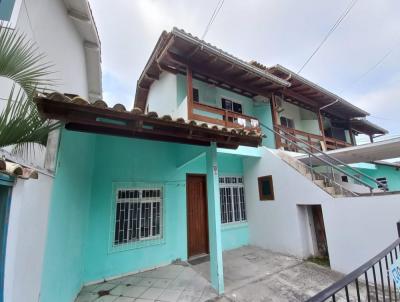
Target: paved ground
254 274
251 274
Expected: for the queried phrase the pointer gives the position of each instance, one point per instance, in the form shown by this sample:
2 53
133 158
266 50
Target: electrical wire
372 68
29 20
213 16
333 28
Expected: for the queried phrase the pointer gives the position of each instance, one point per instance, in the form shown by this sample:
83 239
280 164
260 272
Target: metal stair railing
357 177
338 161
331 182
371 280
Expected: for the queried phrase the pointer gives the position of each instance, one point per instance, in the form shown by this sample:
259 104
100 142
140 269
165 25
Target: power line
29 21
333 28
213 16
373 67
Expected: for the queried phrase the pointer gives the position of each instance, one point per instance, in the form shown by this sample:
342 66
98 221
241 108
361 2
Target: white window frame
141 200
230 186
12 23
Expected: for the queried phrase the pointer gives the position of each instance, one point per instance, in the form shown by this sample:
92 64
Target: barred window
138 215
233 205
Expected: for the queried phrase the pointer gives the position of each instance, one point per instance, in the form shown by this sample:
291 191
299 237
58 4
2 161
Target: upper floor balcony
309 126
217 106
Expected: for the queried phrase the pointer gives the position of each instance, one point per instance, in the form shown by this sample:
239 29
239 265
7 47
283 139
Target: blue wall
79 248
131 164
63 262
375 171
263 112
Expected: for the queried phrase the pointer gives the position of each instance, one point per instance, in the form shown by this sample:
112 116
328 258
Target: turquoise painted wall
392 174
263 112
158 164
78 241
234 236
211 95
69 211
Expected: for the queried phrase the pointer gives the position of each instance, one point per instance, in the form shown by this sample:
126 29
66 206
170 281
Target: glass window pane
236 204
223 205
242 204
229 204
237 107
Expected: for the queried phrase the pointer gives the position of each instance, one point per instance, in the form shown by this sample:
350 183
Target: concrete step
319 182
330 190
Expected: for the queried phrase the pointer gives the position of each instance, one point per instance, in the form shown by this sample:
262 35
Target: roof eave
228 57
321 89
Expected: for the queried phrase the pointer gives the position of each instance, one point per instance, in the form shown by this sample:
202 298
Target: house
73 49
199 167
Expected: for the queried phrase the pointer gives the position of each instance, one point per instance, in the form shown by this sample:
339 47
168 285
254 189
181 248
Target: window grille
137 216
233 205
382 180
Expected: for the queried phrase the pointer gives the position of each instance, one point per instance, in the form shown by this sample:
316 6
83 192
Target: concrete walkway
251 274
254 274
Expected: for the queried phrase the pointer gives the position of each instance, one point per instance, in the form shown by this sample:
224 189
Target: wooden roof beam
215 74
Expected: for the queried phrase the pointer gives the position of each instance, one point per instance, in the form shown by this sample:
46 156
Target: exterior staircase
327 184
326 181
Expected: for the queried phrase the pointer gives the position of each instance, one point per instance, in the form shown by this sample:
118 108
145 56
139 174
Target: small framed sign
266 188
395 273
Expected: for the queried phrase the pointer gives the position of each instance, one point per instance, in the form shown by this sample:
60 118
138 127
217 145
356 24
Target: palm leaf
21 125
21 62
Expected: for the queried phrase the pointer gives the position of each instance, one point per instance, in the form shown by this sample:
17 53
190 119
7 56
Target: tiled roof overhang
315 96
177 49
366 127
80 115
16 170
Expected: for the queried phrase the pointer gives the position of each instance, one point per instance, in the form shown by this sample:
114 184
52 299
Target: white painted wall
276 225
55 35
27 231
162 97
357 228
47 24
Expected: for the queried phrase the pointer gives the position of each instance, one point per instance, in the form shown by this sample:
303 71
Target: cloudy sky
272 32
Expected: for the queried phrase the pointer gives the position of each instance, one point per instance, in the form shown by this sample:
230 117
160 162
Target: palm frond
21 61
21 124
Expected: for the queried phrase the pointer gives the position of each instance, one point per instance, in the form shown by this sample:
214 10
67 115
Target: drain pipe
330 104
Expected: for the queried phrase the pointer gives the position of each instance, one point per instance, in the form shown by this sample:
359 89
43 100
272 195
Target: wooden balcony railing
214 115
312 139
333 143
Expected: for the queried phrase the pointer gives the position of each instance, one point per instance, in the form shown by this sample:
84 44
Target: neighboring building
64 31
187 172
385 172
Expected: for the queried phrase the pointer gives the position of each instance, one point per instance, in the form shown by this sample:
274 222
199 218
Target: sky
270 32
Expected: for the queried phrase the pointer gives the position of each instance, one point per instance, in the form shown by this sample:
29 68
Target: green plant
22 63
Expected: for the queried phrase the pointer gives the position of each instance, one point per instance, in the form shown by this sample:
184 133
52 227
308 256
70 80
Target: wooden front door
197 221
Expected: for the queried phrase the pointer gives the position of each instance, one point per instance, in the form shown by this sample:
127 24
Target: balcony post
275 119
321 127
352 139
189 92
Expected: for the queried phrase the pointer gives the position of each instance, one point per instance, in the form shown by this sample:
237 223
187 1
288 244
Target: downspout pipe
330 104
